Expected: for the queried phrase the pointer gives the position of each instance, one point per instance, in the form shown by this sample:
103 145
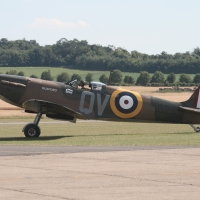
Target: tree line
116 78
77 54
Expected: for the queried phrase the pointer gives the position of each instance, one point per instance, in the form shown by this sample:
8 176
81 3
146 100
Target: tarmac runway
37 150
76 173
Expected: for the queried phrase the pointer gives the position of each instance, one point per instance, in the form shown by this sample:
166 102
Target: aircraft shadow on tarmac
43 138
46 138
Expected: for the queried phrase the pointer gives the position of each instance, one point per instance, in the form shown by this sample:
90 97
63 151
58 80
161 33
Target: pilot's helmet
82 83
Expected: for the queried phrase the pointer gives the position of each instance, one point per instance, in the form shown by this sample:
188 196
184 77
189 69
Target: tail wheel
197 129
32 130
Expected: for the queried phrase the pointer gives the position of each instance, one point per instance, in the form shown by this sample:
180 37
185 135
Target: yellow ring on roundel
125 115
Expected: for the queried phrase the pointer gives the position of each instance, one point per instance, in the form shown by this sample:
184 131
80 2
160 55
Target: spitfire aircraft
67 101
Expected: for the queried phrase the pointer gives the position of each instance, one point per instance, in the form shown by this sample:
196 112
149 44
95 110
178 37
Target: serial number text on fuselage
163 110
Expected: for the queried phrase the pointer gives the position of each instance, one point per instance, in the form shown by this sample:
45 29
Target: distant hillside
77 54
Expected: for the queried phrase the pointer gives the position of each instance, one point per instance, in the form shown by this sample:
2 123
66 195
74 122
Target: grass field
100 134
55 71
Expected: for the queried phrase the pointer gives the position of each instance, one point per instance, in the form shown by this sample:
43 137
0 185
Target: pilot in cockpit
82 84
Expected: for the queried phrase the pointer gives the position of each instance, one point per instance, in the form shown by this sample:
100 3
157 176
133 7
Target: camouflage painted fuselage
62 101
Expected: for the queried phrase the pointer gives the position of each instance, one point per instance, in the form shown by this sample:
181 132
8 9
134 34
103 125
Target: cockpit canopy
94 85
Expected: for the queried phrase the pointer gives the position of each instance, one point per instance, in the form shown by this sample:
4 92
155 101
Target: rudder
194 100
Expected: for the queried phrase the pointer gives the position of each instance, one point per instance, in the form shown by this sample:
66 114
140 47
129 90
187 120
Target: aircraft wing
51 110
190 109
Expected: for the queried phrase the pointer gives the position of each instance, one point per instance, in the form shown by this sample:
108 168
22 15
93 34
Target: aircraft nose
13 80
12 88
10 84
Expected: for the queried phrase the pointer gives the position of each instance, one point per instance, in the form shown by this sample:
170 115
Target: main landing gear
32 129
197 129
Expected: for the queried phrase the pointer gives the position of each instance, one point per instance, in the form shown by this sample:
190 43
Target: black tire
32 130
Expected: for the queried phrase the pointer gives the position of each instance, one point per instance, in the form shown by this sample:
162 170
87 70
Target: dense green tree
196 78
171 78
36 57
143 79
116 77
197 51
33 76
76 76
21 73
46 75
63 77
158 77
12 72
129 80
184 78
103 78
81 55
89 77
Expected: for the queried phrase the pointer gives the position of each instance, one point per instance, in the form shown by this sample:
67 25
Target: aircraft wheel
197 129
32 130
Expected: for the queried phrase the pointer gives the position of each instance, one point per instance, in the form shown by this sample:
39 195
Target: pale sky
147 26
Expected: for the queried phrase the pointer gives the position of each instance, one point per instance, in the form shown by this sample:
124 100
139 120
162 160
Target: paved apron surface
99 173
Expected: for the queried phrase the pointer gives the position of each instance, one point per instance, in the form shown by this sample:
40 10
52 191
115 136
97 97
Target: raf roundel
126 104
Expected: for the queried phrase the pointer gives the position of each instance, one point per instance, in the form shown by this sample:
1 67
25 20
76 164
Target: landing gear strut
197 129
32 129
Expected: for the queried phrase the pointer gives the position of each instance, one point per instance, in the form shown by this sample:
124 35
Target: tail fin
194 100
